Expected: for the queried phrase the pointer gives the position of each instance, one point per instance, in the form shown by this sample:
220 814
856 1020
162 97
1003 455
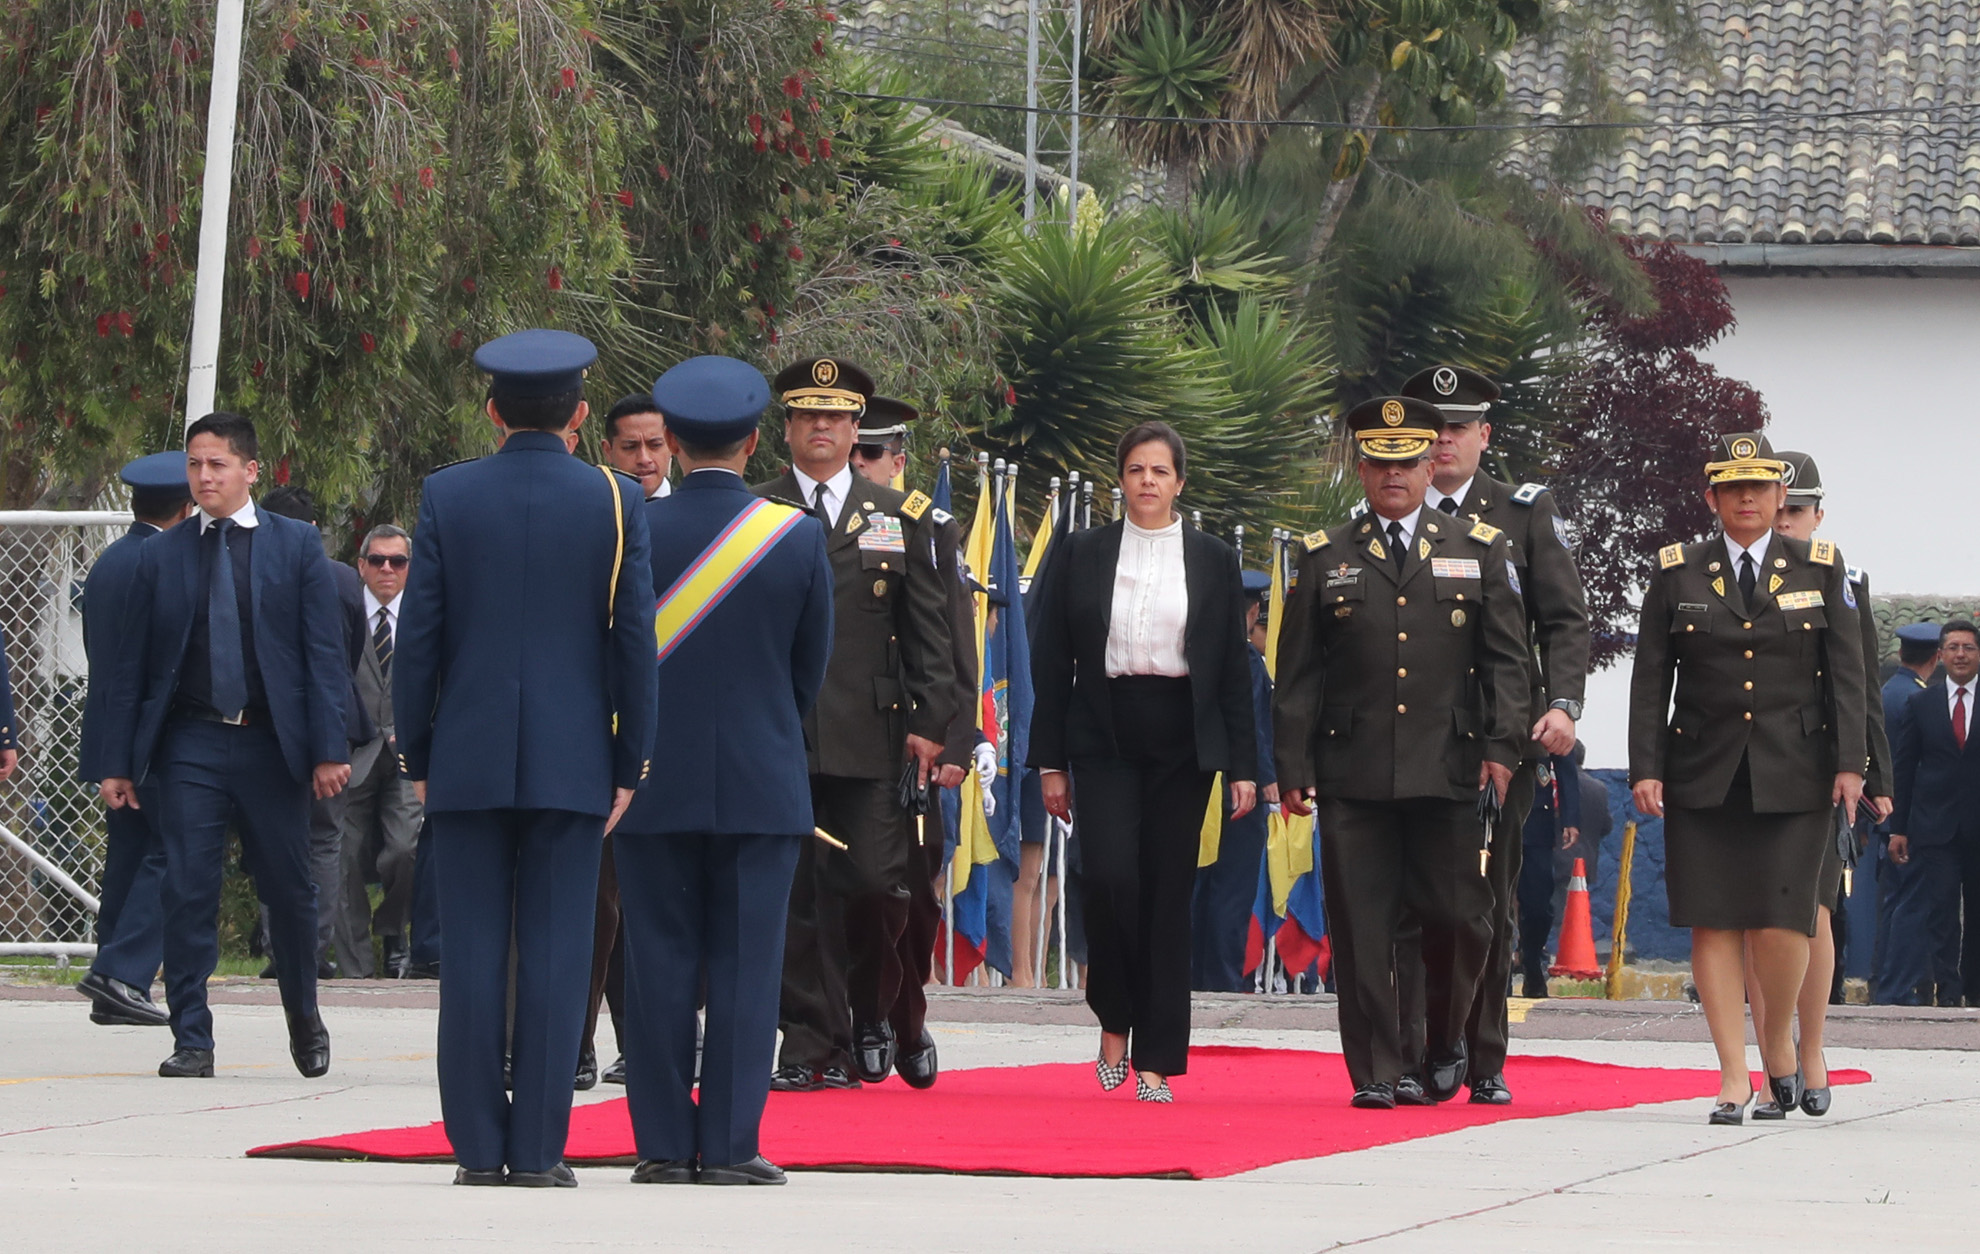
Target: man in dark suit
707 850
1903 961
888 697
1402 696
523 683
1935 829
130 921
326 814
381 815
1548 586
230 695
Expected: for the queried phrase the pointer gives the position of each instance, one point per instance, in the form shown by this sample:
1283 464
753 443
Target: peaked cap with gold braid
1394 428
1744 457
823 383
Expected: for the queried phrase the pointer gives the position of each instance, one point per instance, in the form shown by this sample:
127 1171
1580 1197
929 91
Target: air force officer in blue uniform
523 684
130 923
229 696
707 852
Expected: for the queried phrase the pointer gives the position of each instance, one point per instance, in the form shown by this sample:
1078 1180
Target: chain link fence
51 823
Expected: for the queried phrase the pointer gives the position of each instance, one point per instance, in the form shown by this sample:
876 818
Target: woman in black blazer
1142 691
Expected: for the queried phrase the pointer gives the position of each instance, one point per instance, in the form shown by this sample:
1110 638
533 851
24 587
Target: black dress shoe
327 970
587 1070
758 1170
187 1063
616 1073
114 1001
836 1078
1491 1091
558 1177
1768 1110
1446 1077
1533 987
1786 1090
421 971
309 1044
794 1079
671 1171
1729 1114
918 1065
1376 1096
467 1175
1815 1101
267 970
397 958
873 1051
1409 1092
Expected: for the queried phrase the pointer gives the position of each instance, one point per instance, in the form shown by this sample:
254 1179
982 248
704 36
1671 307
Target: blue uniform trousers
1919 919
1536 888
1220 905
537 869
210 775
696 905
424 947
130 919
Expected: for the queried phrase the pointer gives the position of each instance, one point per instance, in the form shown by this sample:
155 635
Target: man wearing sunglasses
381 815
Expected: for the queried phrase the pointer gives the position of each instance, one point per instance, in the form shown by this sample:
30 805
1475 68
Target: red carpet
1236 1110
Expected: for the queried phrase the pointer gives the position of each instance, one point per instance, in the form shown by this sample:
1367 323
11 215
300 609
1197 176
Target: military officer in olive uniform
1549 587
1746 728
1402 695
888 697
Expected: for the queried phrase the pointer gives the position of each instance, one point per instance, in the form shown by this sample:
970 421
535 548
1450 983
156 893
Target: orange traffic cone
1577 957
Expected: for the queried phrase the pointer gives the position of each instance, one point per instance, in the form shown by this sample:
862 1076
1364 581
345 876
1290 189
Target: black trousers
1378 859
608 957
1969 957
1488 1031
917 944
842 961
1141 824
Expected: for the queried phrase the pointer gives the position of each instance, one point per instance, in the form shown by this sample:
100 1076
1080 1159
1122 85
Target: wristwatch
1570 708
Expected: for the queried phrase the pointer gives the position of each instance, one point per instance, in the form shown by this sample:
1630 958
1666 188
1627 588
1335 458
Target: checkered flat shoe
1146 1092
1112 1075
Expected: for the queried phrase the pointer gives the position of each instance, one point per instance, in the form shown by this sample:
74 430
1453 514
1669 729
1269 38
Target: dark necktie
818 504
1749 578
381 641
1959 717
223 629
1396 544
1448 505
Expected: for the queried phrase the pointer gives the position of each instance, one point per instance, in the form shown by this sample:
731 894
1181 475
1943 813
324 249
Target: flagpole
949 910
210 278
1086 504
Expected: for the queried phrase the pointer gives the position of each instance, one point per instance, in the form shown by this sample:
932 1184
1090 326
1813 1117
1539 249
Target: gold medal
879 587
1457 618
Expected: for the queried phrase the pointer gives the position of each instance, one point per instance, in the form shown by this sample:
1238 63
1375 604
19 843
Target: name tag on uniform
1799 600
1693 607
1343 576
1455 568
882 535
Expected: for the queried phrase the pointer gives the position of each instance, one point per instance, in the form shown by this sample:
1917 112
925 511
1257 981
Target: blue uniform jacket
298 644
1897 691
506 679
1261 701
105 627
728 753
1938 784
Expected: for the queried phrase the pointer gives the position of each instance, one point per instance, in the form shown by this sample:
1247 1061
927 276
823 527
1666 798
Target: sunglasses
397 561
873 452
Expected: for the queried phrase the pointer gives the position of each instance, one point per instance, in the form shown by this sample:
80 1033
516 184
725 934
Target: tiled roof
1908 178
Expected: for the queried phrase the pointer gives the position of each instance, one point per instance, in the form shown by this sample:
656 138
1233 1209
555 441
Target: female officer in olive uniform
1757 635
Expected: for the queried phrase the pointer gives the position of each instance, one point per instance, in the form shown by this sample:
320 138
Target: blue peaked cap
712 401
1257 583
531 364
1919 633
160 472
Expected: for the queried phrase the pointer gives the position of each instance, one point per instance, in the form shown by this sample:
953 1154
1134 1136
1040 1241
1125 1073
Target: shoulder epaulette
1484 533
450 465
1858 575
1527 493
630 478
1822 552
916 505
940 517
1360 508
1314 541
1670 555
786 501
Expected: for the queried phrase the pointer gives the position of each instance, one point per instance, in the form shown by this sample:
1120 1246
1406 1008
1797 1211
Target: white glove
984 762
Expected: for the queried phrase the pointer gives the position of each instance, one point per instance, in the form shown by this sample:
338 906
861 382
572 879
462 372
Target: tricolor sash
717 571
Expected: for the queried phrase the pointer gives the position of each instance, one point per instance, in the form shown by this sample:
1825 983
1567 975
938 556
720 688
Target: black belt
202 713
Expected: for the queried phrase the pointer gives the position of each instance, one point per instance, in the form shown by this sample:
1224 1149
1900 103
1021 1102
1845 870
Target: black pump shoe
1786 1090
1815 1101
1729 1114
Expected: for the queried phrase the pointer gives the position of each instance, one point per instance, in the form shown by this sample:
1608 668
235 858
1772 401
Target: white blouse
1151 604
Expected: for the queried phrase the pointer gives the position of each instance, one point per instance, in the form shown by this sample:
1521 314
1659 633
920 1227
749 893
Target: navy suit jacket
298 643
509 689
1938 784
358 727
728 751
105 593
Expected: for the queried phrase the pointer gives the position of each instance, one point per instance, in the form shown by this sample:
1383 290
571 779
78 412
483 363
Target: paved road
95 1151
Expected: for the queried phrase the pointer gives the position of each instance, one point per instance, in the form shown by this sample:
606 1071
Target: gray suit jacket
374 691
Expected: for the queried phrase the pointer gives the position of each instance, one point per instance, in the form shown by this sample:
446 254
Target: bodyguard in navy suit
523 685
130 919
707 851
1935 829
230 698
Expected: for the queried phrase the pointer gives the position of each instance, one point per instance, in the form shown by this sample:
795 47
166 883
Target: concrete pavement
96 1152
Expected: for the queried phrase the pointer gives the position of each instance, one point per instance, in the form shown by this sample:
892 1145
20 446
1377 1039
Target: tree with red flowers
1632 467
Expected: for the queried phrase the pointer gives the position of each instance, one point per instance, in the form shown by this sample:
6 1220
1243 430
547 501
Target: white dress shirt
1151 604
837 488
665 489
1408 524
1952 695
1759 551
371 607
243 517
1435 499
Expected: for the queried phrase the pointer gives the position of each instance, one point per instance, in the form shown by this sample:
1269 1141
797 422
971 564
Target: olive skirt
1730 868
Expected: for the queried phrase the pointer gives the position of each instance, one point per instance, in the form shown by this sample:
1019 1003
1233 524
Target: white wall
1878 379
